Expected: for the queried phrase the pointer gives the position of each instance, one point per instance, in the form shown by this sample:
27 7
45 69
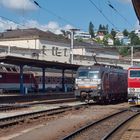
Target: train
10 80
101 83
134 85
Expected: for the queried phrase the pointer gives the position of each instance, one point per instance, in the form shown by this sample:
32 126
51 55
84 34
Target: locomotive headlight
132 89
76 86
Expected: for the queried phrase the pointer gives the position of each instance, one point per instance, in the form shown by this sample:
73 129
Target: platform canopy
37 63
136 5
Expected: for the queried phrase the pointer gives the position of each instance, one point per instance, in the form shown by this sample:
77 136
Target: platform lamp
72 40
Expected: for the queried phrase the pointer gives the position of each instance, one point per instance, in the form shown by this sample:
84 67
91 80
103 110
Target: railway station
21 62
58 82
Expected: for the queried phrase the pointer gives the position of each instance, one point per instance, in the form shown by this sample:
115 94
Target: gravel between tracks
57 127
133 131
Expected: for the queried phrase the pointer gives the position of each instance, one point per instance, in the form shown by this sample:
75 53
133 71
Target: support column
21 80
63 78
43 80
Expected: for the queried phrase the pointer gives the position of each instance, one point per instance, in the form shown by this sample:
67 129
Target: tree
124 51
117 42
91 29
65 33
113 33
125 32
103 29
106 30
134 38
100 29
106 37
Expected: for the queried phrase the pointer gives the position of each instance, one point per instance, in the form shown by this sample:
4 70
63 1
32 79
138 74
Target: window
65 52
53 51
93 74
134 73
83 74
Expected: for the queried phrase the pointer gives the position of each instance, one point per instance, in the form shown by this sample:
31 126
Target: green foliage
91 29
99 41
117 42
124 51
103 29
106 37
125 32
134 38
79 40
113 33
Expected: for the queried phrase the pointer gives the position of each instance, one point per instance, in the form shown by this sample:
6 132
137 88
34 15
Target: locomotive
134 85
101 83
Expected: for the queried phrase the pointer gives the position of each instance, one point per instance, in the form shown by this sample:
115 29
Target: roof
136 5
34 33
134 67
37 63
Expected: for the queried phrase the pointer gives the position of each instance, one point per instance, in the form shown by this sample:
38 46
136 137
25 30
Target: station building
34 43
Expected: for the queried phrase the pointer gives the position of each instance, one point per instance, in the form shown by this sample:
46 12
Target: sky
57 15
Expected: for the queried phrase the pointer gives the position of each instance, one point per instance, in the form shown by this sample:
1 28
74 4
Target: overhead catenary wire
38 5
102 13
17 23
113 8
52 13
3 17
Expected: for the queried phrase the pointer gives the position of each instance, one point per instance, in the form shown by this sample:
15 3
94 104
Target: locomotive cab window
88 74
83 74
134 73
93 74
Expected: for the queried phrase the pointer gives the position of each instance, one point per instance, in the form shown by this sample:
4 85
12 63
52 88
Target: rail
81 131
13 120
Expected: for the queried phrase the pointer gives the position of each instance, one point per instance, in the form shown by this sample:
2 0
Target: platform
15 98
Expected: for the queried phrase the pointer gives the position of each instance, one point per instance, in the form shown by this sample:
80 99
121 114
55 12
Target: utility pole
72 44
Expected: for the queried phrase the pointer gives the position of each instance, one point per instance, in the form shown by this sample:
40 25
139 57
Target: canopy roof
136 4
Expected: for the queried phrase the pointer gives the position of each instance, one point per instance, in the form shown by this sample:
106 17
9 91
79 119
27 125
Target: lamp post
72 40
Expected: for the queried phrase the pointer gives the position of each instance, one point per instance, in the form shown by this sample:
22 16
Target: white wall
53 52
30 44
79 51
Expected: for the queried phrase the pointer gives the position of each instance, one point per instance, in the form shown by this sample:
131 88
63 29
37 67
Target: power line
52 13
38 5
113 8
10 20
13 21
102 13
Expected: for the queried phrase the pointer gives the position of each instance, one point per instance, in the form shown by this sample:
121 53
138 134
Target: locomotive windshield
134 73
88 74
93 74
83 74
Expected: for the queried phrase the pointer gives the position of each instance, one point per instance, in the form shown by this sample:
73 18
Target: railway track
13 120
7 99
10 107
104 128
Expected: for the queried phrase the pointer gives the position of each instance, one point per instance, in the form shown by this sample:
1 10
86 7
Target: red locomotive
134 85
10 80
101 83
